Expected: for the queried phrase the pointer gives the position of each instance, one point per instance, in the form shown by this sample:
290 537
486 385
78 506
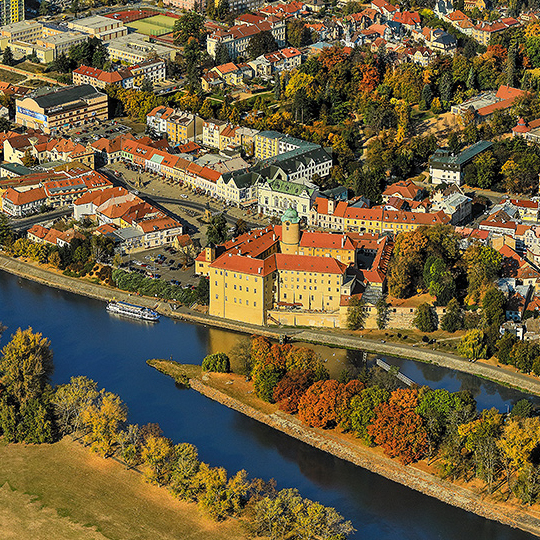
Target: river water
87 340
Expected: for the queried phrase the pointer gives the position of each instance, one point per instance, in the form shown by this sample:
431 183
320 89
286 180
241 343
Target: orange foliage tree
325 403
398 428
291 388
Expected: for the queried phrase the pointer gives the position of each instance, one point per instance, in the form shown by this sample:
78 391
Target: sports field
153 26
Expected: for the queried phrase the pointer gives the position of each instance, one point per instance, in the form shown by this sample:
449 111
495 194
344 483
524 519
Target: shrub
218 363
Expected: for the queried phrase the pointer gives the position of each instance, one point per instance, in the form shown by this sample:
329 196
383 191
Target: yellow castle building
272 274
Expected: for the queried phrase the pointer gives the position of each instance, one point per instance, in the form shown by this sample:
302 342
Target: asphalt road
24 224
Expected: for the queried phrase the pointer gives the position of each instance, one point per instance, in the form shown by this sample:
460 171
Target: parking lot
162 263
92 132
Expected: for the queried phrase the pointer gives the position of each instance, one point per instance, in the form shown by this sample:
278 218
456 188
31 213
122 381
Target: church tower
290 231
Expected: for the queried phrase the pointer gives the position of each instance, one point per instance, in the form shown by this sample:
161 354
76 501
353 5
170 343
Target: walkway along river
88 341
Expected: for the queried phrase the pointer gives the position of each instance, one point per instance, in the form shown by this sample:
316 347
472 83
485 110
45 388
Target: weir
387 367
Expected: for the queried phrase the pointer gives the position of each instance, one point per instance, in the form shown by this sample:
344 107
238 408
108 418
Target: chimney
331 206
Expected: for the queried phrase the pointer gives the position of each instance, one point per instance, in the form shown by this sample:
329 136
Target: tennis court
153 26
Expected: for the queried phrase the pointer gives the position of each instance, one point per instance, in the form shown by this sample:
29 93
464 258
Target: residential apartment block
236 38
130 77
11 11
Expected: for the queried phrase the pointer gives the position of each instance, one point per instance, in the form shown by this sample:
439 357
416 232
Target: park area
153 26
65 492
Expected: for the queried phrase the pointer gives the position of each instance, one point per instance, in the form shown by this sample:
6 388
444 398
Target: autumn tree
156 456
325 404
472 345
184 466
102 420
219 495
483 265
362 410
291 388
25 367
398 428
480 440
70 400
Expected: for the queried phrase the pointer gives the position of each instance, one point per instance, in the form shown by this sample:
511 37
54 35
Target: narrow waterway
88 341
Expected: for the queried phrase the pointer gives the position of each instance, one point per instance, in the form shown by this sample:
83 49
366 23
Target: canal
88 341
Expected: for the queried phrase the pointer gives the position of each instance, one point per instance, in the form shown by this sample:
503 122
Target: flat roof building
103 28
65 107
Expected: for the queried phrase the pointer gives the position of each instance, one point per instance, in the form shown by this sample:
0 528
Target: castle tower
290 231
210 253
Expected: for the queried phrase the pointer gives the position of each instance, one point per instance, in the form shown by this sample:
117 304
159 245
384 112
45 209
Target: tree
452 320
218 363
472 345
184 466
362 410
275 517
102 419
277 86
188 26
504 348
223 9
298 35
7 57
261 43
240 356
28 159
6 234
291 388
325 403
192 58
206 110
44 8
486 169
522 409
26 365
383 313
222 54
217 230
146 85
156 455
493 307
356 316
70 400
424 319
398 428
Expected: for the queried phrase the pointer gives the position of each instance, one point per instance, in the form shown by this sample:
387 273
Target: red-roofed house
22 203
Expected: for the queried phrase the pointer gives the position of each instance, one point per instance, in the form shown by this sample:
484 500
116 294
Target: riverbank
337 338
233 392
65 492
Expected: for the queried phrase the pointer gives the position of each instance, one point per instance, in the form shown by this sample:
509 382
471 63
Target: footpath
320 336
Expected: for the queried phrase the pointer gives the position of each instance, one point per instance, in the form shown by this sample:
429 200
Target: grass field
10 77
63 491
155 26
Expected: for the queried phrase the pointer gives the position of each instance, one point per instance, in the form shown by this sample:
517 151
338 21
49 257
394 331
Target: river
86 340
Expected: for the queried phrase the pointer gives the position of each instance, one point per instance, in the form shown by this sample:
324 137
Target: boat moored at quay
131 310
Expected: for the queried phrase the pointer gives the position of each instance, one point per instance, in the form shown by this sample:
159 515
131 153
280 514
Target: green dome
290 215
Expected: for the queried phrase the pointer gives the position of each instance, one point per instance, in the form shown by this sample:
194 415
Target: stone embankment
334 339
362 456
